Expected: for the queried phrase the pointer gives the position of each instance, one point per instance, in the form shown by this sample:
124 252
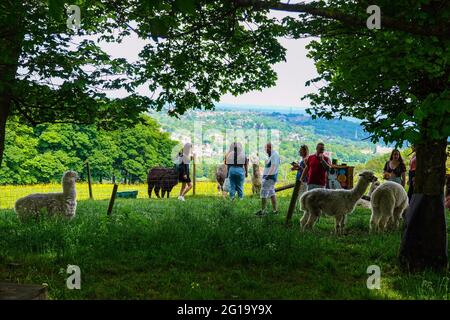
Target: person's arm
386 174
246 167
295 166
325 161
226 157
403 176
305 169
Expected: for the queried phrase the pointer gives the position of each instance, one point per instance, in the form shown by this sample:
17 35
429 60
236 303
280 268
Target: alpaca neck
359 189
256 171
69 191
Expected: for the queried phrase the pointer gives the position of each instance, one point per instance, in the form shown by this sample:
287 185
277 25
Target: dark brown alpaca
163 179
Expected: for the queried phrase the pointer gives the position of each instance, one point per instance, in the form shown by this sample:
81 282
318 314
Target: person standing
317 166
395 169
300 167
184 160
269 180
237 165
411 173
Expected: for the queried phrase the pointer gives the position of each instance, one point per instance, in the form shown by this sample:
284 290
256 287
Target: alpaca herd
388 201
337 203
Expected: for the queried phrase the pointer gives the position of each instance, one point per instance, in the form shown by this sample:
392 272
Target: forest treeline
41 154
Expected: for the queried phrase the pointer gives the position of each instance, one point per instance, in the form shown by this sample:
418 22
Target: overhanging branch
347 19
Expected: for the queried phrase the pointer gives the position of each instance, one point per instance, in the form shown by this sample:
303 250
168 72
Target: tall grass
206 247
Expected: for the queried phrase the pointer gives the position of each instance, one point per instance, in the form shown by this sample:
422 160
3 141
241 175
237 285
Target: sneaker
181 198
261 213
274 212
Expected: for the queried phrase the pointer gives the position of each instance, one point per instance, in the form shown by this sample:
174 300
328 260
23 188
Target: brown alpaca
256 179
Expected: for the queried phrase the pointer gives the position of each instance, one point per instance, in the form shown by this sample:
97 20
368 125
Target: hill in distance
345 139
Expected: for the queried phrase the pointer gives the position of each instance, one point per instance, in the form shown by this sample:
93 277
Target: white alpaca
389 201
337 203
55 204
364 202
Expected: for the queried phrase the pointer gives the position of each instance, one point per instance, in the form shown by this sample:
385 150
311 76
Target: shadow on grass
206 247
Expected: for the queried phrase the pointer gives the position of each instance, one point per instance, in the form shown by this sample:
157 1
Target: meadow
10 193
205 248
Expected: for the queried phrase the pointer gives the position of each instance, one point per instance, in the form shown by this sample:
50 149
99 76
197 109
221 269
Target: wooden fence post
113 198
194 179
89 180
293 202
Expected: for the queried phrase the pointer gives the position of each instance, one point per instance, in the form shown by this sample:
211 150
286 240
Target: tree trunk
424 242
5 103
10 48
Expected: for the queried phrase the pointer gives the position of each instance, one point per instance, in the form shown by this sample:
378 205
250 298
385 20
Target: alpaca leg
150 189
157 188
384 223
398 213
304 220
340 223
375 219
311 220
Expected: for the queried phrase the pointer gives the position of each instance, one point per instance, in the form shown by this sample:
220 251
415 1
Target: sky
287 92
290 86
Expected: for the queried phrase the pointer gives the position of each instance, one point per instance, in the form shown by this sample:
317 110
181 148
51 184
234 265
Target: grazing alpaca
163 179
389 201
221 175
364 202
55 204
337 203
256 179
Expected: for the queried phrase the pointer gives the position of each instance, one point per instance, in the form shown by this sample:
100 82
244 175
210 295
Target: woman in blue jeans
237 165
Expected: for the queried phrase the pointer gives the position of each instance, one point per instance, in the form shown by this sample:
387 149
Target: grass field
205 248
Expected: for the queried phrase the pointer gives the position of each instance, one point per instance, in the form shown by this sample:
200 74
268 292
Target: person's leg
274 203
240 184
233 181
183 185
187 188
263 204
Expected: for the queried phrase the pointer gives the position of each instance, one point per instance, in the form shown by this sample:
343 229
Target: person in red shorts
317 166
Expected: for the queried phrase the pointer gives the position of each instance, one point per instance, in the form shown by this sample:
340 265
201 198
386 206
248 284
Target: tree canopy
41 154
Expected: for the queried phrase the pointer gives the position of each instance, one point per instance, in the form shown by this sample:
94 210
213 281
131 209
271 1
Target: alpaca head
367 176
69 178
254 158
373 186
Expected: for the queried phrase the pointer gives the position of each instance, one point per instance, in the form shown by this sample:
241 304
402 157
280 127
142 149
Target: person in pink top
411 173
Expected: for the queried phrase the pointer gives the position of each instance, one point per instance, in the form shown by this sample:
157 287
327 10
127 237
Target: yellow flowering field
9 194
